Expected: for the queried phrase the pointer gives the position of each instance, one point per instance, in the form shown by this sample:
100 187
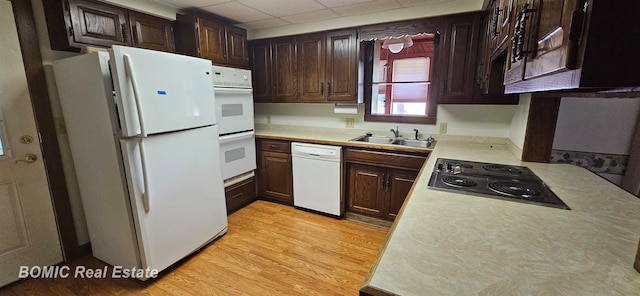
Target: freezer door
160 92
176 191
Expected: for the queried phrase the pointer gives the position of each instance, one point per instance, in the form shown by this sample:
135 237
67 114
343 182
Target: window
400 82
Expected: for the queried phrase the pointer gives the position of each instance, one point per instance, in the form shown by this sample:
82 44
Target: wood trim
541 128
32 59
631 180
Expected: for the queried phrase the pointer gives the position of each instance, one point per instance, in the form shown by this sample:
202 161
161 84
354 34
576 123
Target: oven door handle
226 90
236 137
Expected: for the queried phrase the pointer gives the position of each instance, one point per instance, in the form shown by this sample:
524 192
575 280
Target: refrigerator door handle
134 84
146 202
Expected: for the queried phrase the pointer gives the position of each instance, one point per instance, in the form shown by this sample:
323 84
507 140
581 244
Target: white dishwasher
316 177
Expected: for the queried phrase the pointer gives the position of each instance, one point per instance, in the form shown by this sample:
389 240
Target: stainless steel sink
374 139
415 143
420 143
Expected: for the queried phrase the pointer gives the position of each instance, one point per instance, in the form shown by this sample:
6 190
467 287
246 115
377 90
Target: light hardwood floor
270 249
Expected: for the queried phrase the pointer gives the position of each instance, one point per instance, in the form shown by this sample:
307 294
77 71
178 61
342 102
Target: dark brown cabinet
317 67
378 181
459 58
209 38
240 194
275 176
73 24
572 44
148 32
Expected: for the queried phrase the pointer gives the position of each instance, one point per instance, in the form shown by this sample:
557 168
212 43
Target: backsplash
614 164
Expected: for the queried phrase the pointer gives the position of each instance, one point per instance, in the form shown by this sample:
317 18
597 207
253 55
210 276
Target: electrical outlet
443 127
349 122
268 119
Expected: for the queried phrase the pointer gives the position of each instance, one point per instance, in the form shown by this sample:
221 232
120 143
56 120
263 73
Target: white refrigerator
142 131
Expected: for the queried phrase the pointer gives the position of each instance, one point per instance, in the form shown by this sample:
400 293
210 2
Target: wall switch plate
443 127
349 122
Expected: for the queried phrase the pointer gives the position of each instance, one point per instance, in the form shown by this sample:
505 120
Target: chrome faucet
396 132
416 130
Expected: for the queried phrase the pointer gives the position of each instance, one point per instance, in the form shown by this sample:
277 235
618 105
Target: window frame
367 49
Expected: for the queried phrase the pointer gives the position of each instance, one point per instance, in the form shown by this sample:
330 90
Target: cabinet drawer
240 194
385 159
275 146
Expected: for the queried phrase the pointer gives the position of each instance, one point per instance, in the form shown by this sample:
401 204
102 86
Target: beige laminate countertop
445 243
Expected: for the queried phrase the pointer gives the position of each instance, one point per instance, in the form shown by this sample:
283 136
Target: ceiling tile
268 23
368 7
237 12
310 16
338 3
283 7
193 3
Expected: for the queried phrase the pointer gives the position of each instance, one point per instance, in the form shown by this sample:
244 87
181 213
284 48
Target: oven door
237 154
234 109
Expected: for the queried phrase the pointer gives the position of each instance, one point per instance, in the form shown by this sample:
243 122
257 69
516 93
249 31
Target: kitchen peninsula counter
445 243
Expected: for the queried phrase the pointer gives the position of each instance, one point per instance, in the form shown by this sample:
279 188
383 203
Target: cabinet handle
575 32
388 181
382 183
328 88
322 88
494 24
238 195
124 33
519 32
273 146
134 34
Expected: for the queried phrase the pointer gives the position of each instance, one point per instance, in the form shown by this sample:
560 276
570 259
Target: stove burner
465 165
513 189
502 169
456 181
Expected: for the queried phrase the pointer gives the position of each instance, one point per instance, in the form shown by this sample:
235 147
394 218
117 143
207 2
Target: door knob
28 158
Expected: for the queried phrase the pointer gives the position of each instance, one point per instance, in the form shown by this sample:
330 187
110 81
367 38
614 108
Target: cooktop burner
513 189
457 181
514 183
502 169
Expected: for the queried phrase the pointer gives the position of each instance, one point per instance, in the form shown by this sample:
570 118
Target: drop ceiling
268 16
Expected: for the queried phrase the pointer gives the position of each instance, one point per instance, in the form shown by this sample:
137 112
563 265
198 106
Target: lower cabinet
240 194
378 182
275 176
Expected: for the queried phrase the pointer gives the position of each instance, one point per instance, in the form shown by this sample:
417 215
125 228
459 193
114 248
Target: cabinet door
311 63
99 24
276 180
151 32
261 70
399 183
341 66
211 40
236 51
550 46
366 190
284 69
520 34
459 61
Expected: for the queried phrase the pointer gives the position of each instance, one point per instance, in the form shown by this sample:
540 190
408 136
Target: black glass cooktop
513 183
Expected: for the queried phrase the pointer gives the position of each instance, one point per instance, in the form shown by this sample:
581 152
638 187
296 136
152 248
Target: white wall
472 120
597 125
518 124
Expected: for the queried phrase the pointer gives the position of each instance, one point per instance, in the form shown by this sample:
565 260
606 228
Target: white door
178 196
174 92
28 232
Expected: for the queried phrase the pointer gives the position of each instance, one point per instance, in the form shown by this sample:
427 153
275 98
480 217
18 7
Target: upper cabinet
318 67
73 24
572 44
213 39
464 76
